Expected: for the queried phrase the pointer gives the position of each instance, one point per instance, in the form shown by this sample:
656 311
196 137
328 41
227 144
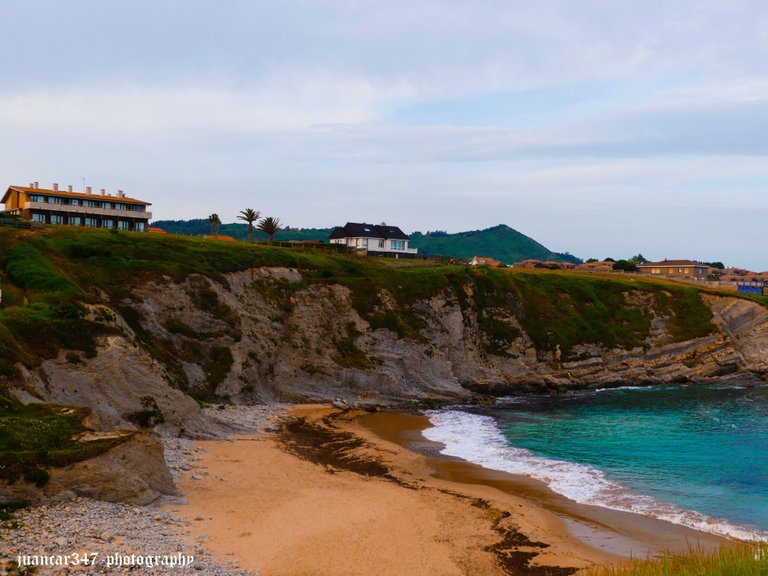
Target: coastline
354 493
622 534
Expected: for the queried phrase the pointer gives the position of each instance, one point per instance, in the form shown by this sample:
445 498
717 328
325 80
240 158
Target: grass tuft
36 436
736 560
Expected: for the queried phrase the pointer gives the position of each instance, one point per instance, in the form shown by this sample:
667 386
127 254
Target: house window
397 244
107 223
365 242
38 218
122 224
74 202
75 221
381 243
36 198
89 203
91 222
139 227
54 200
57 219
119 206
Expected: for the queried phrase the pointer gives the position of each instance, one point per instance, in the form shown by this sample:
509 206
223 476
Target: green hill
500 242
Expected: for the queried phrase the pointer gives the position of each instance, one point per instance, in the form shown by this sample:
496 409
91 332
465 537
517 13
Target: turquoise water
701 448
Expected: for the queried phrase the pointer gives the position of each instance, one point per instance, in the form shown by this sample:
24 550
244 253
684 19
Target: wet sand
359 493
619 533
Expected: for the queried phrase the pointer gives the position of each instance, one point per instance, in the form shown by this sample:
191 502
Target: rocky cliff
145 331
133 472
266 335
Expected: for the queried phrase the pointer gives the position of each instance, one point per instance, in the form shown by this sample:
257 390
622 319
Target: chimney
103 191
88 190
69 188
120 194
31 184
55 187
37 185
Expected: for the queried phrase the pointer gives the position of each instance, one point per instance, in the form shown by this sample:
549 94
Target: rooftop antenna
83 183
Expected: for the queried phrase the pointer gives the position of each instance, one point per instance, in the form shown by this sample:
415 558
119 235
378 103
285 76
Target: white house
377 239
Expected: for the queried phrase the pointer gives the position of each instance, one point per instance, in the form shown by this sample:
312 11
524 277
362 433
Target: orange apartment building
54 206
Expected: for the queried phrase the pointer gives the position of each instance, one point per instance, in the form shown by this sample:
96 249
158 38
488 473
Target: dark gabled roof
672 263
363 230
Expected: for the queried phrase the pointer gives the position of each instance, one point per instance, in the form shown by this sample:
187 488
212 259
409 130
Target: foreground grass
738 560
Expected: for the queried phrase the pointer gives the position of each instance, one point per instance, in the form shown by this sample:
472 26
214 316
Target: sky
605 128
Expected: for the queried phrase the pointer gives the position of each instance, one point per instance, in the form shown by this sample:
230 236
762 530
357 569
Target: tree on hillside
214 222
718 265
591 260
250 216
626 265
639 259
270 226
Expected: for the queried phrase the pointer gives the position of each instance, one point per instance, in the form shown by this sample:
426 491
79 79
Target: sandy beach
357 493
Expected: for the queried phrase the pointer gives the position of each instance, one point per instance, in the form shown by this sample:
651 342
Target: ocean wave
476 438
654 388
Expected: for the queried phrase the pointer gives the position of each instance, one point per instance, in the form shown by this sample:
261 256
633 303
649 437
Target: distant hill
500 242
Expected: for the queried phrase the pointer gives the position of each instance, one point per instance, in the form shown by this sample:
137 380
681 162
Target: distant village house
54 206
374 239
675 269
485 261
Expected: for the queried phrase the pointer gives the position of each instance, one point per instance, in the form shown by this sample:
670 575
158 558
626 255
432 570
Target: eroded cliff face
263 335
133 472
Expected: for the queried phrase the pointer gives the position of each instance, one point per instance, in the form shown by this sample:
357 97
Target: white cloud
279 104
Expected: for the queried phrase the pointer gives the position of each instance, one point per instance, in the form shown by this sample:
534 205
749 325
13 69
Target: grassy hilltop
500 242
49 276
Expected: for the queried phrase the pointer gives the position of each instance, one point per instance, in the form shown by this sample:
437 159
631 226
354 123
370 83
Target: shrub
39 477
625 265
150 416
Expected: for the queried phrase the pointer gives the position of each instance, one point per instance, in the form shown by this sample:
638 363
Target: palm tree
214 221
249 215
270 227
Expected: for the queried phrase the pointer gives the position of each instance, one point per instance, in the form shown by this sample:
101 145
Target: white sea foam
477 438
622 388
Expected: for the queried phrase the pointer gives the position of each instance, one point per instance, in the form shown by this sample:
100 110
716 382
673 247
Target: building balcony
88 210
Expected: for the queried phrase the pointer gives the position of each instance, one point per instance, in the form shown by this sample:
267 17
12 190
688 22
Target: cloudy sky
603 128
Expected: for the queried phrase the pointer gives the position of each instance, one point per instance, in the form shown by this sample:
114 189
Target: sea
695 455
